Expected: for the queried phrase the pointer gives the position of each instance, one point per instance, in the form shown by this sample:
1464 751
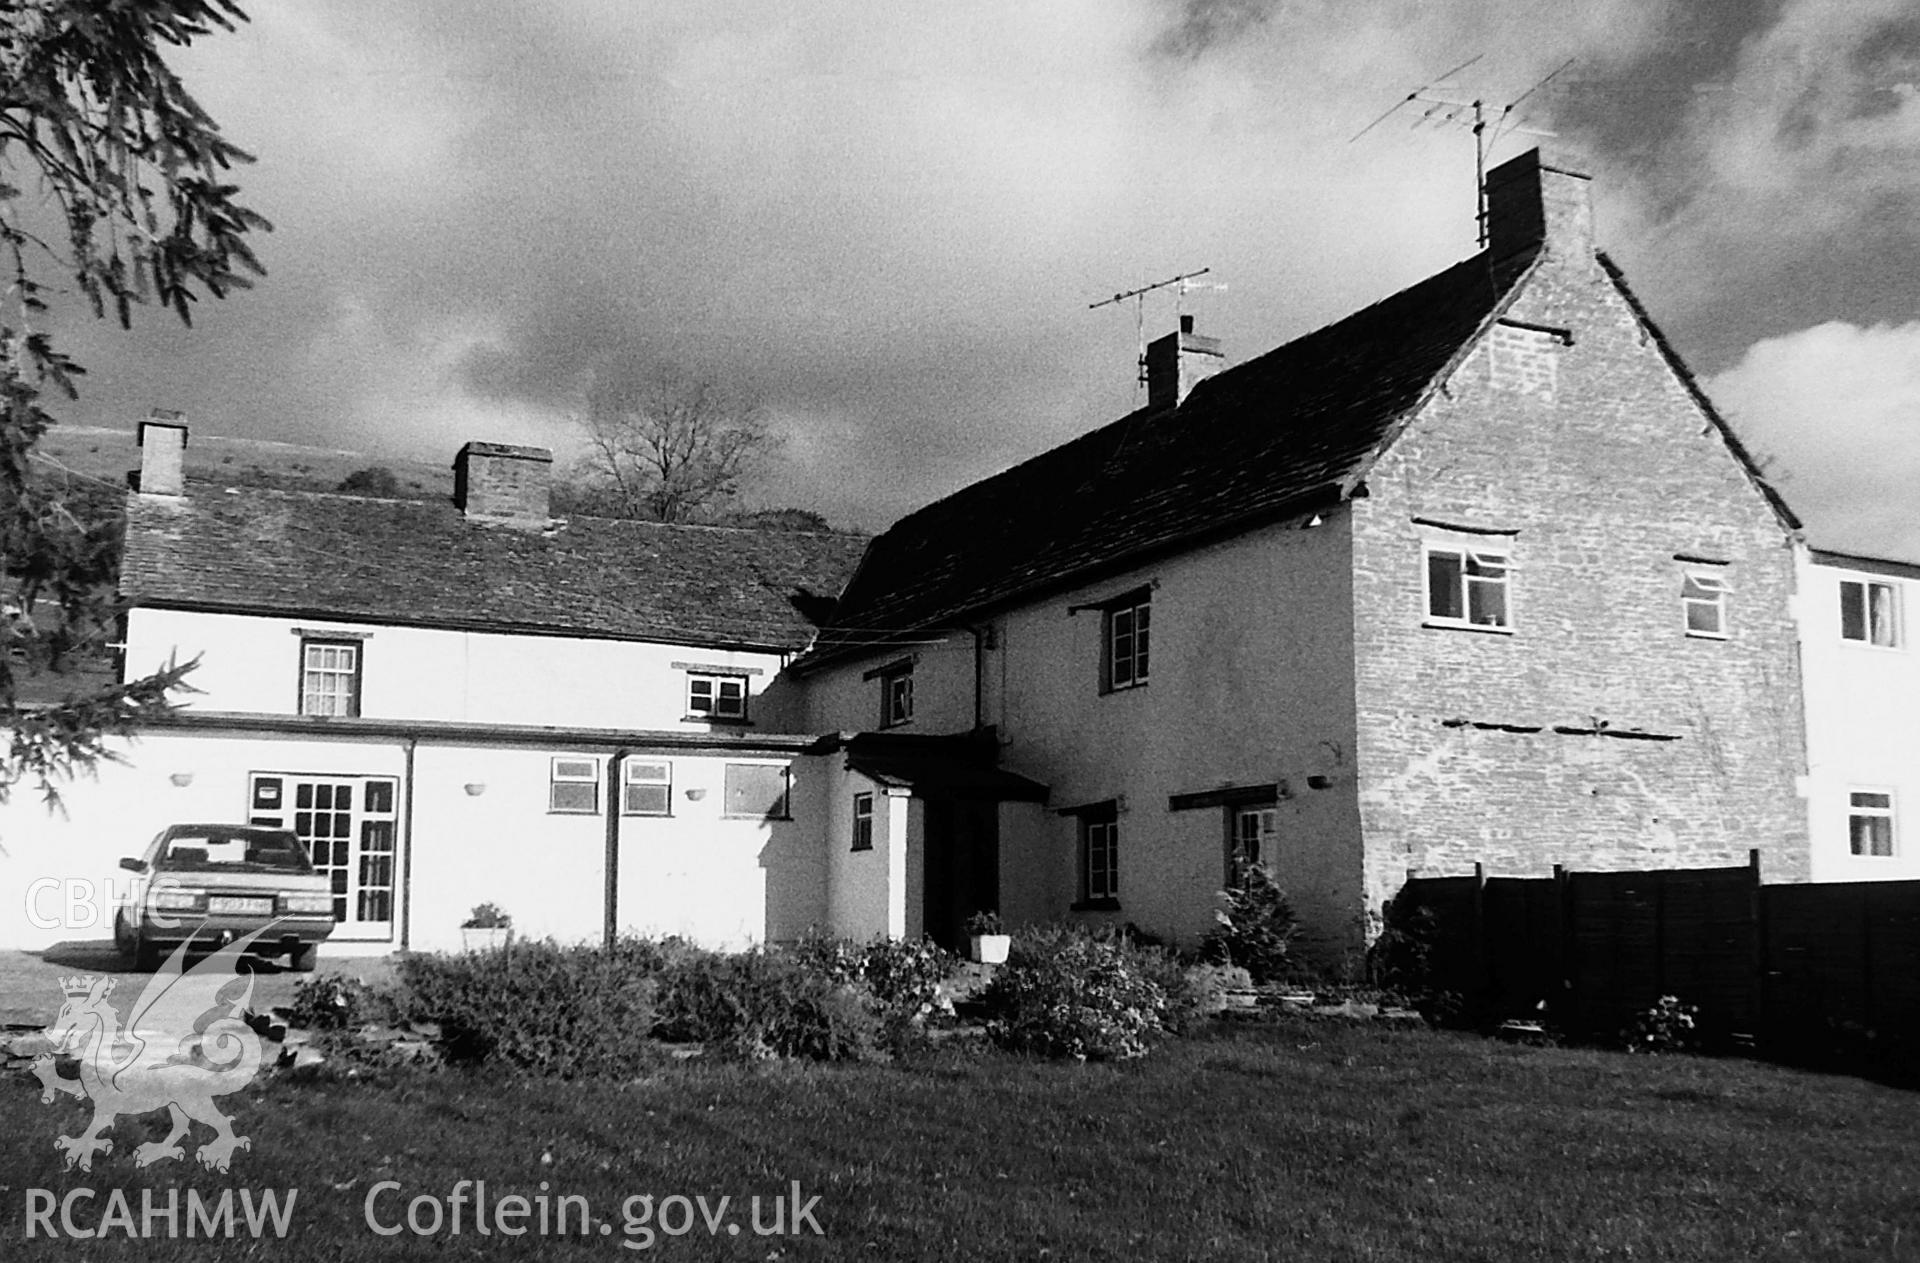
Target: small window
1870 823
863 822
330 677
648 790
1870 613
1250 840
574 787
757 790
1467 587
1703 600
1128 632
1100 858
717 697
896 697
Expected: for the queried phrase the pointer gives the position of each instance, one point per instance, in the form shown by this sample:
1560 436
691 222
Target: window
329 677
1466 586
717 697
1870 823
574 786
863 822
1870 613
648 788
1100 858
757 790
1128 631
1250 840
896 697
1703 600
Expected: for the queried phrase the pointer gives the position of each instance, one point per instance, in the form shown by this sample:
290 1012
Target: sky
888 221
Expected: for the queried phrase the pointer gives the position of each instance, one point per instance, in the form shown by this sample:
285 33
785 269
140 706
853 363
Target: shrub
1667 1025
543 1007
1256 928
762 1003
1068 993
337 1002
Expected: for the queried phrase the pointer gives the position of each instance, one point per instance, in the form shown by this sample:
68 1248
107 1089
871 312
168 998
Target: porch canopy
935 767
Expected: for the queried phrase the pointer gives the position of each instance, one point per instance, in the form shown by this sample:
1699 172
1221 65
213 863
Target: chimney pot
1178 362
163 453
1539 198
502 483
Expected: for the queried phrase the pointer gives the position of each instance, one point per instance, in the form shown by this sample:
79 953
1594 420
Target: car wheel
146 955
301 960
122 936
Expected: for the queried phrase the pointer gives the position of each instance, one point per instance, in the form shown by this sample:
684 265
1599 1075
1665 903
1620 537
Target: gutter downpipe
979 635
611 918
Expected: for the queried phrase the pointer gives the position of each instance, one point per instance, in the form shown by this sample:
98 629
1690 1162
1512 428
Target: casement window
1127 630
1870 612
1467 586
896 697
1870 823
647 788
863 822
330 677
717 697
573 786
1703 602
757 791
1099 858
1251 832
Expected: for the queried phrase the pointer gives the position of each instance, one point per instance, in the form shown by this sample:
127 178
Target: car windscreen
219 851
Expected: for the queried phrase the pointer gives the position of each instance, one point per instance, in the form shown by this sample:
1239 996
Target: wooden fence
1797 969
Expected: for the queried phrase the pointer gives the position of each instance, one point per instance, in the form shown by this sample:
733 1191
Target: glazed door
350 829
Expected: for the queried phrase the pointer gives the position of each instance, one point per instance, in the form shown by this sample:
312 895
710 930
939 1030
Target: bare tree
671 446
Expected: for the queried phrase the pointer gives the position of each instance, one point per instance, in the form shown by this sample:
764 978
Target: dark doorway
961 873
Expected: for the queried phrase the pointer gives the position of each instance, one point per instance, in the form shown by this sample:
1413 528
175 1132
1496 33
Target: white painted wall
867 892
721 882
1863 722
1251 683
251 664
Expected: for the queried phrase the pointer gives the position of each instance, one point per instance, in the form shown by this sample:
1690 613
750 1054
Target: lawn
1296 1141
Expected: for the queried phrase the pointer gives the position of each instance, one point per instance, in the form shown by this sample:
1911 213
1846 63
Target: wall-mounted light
181 779
475 788
695 794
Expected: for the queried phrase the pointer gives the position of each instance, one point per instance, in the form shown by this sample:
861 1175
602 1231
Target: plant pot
485 938
990 949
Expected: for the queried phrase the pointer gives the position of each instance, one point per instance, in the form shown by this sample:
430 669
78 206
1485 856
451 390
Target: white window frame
1100 836
1895 616
1470 555
631 779
559 776
330 701
862 822
896 697
1858 811
1265 820
1126 629
714 686
1711 582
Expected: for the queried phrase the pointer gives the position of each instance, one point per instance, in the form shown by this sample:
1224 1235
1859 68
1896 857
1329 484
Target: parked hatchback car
212 883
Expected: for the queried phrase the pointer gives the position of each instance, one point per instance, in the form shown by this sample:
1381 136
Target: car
213 883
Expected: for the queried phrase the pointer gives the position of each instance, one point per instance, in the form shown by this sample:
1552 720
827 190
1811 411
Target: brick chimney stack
1534 198
1179 362
503 484
163 453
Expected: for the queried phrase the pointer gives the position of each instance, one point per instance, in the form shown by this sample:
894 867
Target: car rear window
212 850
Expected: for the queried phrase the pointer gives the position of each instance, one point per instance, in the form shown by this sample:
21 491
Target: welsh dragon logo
182 1045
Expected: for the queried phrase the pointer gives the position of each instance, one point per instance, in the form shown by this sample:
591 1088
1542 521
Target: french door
351 831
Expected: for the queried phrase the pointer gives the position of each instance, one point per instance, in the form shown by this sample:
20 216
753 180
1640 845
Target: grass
1297 1141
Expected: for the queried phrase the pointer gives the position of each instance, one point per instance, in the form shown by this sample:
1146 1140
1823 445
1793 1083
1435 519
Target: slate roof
319 555
1276 435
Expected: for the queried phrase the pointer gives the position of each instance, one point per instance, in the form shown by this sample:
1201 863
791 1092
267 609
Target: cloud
1837 409
886 221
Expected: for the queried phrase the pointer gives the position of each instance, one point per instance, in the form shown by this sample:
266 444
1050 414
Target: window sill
898 723
1125 688
725 720
761 819
1700 635
1439 624
646 815
571 811
1095 905
857 848
1849 643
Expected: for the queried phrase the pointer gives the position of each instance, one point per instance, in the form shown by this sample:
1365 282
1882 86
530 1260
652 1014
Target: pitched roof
1276 435
320 555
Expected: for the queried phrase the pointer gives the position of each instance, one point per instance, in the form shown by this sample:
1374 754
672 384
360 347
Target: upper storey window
330 677
1467 585
1870 612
